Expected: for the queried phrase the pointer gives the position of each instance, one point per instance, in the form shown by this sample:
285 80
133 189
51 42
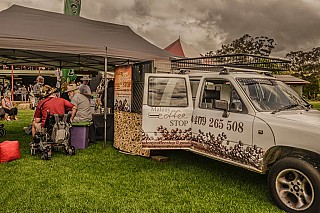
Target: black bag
28 130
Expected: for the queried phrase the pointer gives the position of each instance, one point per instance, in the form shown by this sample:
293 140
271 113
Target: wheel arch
278 152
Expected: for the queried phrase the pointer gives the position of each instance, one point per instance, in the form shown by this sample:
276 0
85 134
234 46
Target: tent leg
105 97
12 89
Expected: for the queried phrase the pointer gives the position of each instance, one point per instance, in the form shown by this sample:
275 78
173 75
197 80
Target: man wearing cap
37 88
54 105
84 87
81 102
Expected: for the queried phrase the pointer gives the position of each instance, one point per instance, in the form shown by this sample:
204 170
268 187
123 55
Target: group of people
79 104
46 98
21 92
8 111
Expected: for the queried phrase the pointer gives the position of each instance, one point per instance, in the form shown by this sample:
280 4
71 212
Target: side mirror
236 107
222 104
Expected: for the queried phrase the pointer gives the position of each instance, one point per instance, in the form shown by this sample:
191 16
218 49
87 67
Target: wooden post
12 90
105 97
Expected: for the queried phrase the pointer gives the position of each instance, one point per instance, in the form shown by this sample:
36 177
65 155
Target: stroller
54 135
2 130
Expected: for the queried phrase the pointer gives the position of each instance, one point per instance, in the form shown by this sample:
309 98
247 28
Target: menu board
123 88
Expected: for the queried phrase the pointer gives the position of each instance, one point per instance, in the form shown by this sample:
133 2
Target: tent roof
180 48
31 36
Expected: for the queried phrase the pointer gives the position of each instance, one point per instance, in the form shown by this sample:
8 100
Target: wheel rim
294 189
2 132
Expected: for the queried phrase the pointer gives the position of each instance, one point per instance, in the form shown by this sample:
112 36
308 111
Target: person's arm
87 95
37 115
70 107
3 104
73 113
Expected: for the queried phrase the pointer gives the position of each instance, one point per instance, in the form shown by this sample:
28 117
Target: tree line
304 65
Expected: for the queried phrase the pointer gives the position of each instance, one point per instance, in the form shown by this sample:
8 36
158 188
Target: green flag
72 7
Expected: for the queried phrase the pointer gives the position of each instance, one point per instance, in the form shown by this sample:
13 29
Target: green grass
315 104
104 180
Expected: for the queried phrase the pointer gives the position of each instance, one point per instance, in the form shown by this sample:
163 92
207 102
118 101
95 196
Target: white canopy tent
34 37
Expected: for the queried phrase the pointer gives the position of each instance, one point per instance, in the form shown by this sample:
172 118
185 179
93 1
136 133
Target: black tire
49 152
45 156
66 150
73 150
2 132
32 151
294 185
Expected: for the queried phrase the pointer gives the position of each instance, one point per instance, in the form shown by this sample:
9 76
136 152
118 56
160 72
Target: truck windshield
271 95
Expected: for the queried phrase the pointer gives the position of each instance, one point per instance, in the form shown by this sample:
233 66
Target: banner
67 76
123 88
72 7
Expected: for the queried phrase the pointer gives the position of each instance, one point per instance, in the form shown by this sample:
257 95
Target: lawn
101 179
315 104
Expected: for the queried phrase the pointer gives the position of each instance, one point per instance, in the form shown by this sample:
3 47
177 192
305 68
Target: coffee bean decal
165 134
220 146
216 145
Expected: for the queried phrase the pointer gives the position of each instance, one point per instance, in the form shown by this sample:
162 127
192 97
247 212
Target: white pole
105 97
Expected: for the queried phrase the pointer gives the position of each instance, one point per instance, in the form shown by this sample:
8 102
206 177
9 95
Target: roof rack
241 61
225 71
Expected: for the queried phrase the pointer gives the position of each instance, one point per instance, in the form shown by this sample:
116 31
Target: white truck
243 118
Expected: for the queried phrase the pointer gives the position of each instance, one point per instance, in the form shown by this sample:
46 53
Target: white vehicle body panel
240 137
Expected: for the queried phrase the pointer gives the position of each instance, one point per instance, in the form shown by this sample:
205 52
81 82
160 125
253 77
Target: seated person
81 102
54 105
7 105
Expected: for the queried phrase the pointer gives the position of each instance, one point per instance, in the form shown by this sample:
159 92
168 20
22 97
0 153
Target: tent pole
12 90
105 97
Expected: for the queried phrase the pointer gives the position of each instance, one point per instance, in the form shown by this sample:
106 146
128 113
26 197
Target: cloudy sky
205 24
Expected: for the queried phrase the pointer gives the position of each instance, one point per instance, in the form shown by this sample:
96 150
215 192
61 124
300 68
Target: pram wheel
2 132
44 156
71 150
33 151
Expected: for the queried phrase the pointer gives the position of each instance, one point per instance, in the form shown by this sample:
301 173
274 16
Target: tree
306 65
261 45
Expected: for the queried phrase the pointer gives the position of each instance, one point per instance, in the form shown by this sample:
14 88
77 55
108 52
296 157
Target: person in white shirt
81 102
84 87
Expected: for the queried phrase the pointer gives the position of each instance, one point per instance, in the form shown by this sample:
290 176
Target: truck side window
235 103
167 92
211 92
220 90
194 87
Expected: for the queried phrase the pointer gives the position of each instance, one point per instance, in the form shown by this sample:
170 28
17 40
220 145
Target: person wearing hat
54 105
84 87
81 102
37 88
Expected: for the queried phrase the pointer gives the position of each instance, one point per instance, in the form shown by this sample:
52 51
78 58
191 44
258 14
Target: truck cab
243 118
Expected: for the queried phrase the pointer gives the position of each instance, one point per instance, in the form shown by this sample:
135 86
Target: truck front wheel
295 185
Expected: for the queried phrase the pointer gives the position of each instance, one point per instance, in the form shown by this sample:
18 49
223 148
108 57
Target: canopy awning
35 37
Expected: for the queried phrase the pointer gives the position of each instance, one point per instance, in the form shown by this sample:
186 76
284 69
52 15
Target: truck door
224 134
166 112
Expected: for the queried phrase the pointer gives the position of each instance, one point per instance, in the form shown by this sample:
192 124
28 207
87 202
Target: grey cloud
205 24
52 5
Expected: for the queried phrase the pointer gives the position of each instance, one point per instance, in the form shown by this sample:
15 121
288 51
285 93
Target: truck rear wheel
294 185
